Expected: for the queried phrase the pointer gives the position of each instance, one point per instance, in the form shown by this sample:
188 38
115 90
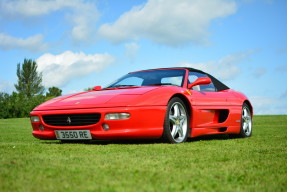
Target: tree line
30 92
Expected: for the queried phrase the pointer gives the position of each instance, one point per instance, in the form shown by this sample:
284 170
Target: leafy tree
54 92
17 105
4 97
89 89
29 80
29 92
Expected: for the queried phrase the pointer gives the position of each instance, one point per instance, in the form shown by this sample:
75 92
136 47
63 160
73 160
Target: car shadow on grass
137 141
210 137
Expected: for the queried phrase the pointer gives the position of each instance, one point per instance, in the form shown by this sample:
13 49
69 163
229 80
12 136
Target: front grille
72 119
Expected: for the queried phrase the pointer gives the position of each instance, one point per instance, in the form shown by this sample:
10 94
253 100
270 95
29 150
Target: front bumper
144 122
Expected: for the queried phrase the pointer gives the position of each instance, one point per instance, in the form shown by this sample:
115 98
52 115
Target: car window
130 81
172 80
164 77
192 76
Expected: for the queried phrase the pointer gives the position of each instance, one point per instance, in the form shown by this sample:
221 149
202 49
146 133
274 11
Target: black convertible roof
218 84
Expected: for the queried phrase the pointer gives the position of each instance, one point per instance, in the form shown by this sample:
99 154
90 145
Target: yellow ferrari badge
189 92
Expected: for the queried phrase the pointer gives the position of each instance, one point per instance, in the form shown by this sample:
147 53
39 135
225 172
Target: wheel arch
185 101
249 105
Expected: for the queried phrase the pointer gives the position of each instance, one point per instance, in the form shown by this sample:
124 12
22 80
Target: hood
91 99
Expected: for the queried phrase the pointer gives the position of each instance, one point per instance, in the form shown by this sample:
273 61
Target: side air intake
223 115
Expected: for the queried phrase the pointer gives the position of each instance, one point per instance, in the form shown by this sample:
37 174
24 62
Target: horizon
84 43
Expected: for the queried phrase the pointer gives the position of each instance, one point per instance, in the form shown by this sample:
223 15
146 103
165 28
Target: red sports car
170 103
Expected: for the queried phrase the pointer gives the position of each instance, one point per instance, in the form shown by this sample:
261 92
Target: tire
176 122
246 123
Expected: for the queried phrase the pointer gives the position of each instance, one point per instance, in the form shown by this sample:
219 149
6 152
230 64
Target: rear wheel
176 124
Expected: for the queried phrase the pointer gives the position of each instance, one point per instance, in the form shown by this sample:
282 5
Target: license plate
73 134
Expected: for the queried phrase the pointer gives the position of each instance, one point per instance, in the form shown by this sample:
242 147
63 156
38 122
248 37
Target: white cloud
225 68
269 106
81 14
284 95
131 50
168 21
6 86
30 8
84 18
58 70
259 72
33 43
282 68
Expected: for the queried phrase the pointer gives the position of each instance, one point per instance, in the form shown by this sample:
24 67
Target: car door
207 103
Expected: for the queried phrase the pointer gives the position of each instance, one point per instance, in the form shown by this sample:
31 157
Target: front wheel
176 123
246 123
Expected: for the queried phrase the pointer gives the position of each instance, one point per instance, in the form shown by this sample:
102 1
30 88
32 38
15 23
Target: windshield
172 77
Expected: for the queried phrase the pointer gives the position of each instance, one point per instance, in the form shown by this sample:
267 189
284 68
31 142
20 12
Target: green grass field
212 163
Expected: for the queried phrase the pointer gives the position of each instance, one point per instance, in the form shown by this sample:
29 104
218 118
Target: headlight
116 116
35 118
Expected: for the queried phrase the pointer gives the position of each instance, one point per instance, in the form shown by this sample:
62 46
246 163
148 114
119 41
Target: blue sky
79 44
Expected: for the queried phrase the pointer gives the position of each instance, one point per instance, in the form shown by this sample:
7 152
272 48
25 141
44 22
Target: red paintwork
147 106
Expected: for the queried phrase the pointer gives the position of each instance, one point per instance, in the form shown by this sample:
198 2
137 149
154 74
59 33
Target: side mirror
97 88
200 81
